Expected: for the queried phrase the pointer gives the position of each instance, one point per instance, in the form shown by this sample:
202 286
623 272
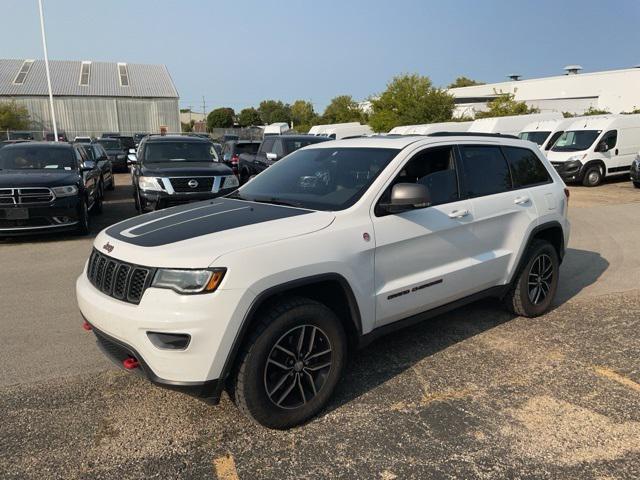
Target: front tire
592 177
291 364
536 284
83 220
636 184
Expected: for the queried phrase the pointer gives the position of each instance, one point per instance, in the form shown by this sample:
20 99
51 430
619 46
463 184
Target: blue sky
238 53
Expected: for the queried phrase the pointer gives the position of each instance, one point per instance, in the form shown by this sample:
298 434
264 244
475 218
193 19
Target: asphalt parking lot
477 393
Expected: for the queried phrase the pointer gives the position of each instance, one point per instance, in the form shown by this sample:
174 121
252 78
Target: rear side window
485 170
526 167
247 148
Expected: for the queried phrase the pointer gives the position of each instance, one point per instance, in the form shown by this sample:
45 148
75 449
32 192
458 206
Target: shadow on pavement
580 269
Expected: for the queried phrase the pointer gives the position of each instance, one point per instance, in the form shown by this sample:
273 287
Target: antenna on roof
514 76
572 69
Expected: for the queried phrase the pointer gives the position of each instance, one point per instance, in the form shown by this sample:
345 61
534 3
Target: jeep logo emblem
192 183
108 247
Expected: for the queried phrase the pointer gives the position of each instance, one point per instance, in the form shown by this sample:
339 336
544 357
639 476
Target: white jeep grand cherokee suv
265 291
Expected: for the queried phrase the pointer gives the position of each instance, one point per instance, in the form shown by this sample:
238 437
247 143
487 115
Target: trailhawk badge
108 247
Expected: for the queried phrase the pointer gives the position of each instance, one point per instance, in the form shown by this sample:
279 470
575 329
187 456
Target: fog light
169 341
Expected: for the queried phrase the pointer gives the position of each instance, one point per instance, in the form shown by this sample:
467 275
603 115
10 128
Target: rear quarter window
526 167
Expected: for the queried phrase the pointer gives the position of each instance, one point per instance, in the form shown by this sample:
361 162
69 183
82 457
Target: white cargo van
428 128
401 130
346 131
545 132
592 148
511 125
276 129
320 129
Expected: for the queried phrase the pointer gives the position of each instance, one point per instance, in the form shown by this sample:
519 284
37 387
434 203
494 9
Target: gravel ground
477 393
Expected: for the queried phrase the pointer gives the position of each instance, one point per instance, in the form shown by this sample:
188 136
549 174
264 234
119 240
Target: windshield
26 158
111 144
180 152
318 178
535 137
575 140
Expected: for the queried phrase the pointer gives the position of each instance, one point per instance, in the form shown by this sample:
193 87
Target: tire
636 184
136 200
523 299
112 183
97 205
83 220
592 177
293 372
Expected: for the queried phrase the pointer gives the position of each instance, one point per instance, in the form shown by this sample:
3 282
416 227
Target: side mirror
88 165
272 156
602 147
131 158
408 196
132 150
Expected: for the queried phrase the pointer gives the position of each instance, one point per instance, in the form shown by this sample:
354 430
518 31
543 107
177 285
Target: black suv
174 169
98 154
46 186
116 151
233 148
272 149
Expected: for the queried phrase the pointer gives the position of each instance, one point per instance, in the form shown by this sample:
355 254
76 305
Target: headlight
66 191
231 181
188 281
149 183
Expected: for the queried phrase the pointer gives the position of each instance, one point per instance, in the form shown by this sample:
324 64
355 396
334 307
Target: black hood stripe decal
197 219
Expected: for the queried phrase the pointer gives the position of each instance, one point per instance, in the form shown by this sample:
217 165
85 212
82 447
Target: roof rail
470 134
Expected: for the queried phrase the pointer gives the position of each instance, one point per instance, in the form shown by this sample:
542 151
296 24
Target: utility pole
204 109
46 64
190 107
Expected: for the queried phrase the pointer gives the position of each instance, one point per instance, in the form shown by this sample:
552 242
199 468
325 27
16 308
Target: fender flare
553 224
270 292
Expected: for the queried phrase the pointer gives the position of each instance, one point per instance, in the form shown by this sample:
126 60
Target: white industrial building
93 97
615 91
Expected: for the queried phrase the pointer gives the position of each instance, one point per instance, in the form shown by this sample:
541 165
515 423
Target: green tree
302 113
342 109
249 117
410 100
187 126
506 105
464 82
272 111
220 118
13 116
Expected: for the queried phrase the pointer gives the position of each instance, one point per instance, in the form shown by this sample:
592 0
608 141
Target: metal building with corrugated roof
93 97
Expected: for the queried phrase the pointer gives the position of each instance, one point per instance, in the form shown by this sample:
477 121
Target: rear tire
291 363
592 177
636 184
535 285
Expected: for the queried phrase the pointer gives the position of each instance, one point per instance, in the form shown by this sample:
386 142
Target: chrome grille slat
117 279
26 195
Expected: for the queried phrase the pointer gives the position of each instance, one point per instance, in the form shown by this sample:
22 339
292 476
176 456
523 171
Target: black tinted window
247 148
610 139
278 148
485 170
535 137
526 167
293 145
24 158
553 139
267 144
110 144
179 152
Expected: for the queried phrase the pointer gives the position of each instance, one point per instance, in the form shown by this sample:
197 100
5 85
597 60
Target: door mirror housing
408 196
132 158
272 156
87 165
602 147
132 150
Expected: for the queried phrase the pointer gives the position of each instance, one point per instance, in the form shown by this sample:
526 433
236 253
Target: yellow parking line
616 377
225 468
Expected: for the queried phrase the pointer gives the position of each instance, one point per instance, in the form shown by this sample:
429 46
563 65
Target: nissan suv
176 169
264 292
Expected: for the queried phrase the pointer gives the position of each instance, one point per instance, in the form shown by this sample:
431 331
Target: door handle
616 151
521 200
458 213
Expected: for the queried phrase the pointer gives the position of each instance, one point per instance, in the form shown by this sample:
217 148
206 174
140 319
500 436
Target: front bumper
151 200
61 214
569 171
211 320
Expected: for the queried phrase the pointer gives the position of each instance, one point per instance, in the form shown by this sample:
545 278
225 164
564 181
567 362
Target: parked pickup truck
272 149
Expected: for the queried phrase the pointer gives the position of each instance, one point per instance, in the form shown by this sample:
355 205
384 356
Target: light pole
46 65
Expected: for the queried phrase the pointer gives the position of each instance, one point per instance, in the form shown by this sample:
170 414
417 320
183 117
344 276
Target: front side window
278 148
29 158
179 152
293 145
434 168
610 139
526 168
485 170
538 137
267 145
319 179
553 140
575 140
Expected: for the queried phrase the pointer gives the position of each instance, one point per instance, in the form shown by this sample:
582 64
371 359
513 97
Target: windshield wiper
277 201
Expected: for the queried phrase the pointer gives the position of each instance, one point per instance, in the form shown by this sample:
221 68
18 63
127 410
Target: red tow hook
130 363
87 326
